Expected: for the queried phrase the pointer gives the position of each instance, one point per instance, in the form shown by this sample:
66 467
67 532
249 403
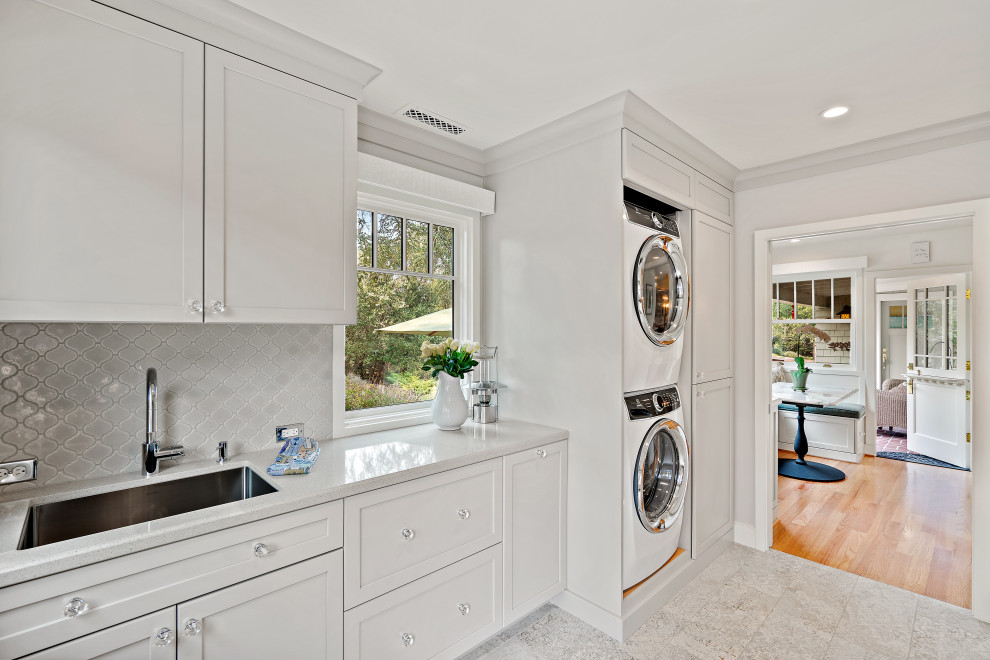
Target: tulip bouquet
450 356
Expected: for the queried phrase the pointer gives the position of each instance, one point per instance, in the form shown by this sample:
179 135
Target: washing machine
656 467
658 291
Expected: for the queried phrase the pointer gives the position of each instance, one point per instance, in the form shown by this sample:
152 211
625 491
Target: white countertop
816 396
346 466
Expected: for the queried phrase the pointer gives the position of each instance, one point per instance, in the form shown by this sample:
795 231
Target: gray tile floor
750 604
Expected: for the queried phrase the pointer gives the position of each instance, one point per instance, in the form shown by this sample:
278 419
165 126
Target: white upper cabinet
713 198
653 169
281 163
711 298
101 166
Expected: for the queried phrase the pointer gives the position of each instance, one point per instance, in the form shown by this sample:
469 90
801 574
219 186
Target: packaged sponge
296 457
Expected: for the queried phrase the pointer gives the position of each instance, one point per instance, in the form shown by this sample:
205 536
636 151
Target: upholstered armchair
892 404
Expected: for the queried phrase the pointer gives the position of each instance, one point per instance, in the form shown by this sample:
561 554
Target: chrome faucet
151 453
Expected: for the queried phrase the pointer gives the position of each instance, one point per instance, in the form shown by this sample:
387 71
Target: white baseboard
607 622
745 534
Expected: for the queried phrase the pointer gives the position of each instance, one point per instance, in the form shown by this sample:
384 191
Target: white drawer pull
408 535
464 609
164 637
193 628
464 514
75 607
408 639
542 453
261 550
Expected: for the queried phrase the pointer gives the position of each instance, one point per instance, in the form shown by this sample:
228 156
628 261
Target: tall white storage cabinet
712 398
281 167
535 526
101 165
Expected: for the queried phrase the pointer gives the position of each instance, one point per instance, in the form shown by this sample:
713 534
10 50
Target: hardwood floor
904 524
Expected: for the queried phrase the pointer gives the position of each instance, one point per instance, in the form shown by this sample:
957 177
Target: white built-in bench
833 432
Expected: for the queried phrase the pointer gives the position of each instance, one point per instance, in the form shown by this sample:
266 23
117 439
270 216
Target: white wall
949 175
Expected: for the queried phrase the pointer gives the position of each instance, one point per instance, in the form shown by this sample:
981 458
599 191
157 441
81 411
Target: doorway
891 518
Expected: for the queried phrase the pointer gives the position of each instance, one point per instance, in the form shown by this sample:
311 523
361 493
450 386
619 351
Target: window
415 280
813 318
936 328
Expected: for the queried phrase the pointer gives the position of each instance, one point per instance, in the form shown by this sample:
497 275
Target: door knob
261 550
75 607
195 306
164 637
193 627
217 306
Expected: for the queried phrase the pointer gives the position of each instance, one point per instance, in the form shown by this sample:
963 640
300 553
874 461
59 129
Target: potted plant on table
800 375
449 361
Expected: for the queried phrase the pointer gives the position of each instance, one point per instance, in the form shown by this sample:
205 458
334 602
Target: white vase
450 409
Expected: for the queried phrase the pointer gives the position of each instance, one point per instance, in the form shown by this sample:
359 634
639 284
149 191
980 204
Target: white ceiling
746 77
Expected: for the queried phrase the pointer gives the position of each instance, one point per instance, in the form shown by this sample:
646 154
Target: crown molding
890 147
622 110
398 135
229 26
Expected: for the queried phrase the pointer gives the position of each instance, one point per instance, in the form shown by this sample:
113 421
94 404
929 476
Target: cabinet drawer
32 613
398 534
439 616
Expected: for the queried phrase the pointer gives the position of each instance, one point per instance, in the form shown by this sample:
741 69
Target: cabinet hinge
969 294
968 438
968 394
969 365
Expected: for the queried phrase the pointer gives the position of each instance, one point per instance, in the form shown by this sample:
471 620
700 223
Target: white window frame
467 309
855 352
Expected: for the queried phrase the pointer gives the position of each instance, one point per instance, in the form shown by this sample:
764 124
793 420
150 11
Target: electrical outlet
285 432
15 471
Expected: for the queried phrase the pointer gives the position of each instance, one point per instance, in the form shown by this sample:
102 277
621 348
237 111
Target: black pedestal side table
799 468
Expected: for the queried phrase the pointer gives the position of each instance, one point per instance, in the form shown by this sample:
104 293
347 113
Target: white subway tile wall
839 332
73 395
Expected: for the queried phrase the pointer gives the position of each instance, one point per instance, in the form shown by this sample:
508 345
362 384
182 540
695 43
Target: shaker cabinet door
295 612
711 464
281 197
535 520
711 298
151 636
101 166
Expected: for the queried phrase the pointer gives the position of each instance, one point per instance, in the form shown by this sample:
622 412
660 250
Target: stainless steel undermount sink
69 519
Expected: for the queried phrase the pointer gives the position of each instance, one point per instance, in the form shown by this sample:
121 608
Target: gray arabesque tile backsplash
73 394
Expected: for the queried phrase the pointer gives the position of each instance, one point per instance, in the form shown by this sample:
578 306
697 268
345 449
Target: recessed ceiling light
795 240
835 111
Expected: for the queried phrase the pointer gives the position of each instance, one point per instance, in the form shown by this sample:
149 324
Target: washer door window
660 290
661 479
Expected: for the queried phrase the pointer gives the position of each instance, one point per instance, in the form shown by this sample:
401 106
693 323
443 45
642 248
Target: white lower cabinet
535 528
439 616
711 464
294 613
151 636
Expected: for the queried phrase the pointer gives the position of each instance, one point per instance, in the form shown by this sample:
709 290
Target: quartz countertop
347 466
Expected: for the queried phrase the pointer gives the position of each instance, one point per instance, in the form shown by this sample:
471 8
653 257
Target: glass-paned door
938 369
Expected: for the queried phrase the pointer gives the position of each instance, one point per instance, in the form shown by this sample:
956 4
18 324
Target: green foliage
384 300
454 362
788 342
799 361
360 394
414 381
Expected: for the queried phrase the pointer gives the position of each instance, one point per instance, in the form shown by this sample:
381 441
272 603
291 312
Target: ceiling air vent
431 120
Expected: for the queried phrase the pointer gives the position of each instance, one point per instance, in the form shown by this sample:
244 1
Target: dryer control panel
652 403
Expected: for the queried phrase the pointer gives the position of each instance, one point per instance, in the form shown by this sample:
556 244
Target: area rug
918 458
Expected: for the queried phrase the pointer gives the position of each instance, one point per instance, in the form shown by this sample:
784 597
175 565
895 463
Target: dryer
656 468
658 291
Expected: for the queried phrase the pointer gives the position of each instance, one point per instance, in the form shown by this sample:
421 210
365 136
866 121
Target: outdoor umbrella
435 324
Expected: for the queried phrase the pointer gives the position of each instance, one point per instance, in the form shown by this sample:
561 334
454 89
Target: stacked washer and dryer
656 453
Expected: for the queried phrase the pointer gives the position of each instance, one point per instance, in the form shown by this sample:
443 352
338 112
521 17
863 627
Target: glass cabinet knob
408 534
261 550
164 637
407 639
193 627
464 609
542 453
464 514
75 607
195 306
217 306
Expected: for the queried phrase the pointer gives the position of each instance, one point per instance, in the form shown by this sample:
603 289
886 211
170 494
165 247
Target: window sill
358 422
